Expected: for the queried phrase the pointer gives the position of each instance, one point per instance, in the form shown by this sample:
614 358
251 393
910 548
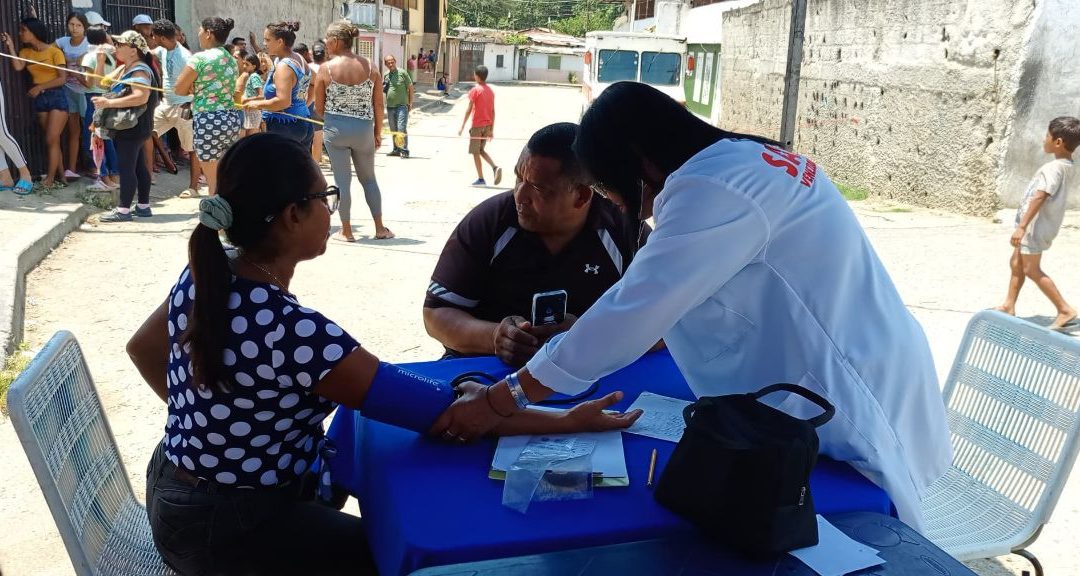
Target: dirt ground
104 279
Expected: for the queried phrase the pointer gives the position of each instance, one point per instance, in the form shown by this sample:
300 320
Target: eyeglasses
330 198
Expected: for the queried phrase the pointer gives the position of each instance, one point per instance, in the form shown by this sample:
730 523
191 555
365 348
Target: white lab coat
757 272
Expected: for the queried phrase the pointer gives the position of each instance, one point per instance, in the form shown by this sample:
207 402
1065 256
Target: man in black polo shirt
550 233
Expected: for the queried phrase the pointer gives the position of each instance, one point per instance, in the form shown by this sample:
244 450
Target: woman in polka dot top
249 374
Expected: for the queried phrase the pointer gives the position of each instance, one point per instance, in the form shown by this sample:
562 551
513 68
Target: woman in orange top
49 101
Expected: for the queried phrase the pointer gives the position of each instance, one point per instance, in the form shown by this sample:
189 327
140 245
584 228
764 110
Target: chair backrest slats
1012 401
61 424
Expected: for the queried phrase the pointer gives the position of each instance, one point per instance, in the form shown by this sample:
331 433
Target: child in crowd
249 87
482 109
1039 217
442 86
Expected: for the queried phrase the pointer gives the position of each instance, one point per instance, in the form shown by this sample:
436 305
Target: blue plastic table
427 503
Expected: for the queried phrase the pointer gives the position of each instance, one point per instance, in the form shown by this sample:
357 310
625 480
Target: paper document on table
836 553
662 417
608 459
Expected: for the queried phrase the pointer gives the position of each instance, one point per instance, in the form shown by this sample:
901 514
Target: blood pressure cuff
406 399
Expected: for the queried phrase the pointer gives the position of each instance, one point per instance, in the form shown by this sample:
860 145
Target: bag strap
829 409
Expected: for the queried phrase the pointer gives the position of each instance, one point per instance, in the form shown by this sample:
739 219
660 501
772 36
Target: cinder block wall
908 99
254 15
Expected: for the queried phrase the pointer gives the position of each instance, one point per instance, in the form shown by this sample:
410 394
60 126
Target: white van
653 59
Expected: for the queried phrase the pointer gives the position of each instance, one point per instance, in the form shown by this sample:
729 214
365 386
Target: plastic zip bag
549 469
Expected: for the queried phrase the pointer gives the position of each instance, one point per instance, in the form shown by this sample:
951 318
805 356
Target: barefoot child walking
1039 217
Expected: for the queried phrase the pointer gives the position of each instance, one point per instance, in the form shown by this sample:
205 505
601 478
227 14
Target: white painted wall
537 68
509 69
704 25
1048 86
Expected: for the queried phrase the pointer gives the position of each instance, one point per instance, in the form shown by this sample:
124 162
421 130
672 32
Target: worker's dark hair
556 141
38 29
284 30
219 28
481 72
260 175
236 40
164 28
318 51
1068 129
630 122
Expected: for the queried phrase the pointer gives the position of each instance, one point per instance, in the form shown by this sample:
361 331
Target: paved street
103 281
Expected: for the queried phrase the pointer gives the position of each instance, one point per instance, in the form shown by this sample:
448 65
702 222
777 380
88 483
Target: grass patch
852 193
100 200
13 366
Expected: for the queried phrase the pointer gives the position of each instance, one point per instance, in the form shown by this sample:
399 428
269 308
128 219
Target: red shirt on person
483 101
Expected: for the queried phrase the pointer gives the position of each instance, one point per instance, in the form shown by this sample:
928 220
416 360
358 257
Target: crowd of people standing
205 95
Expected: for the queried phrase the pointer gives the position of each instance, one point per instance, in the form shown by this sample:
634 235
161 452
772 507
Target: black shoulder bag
741 472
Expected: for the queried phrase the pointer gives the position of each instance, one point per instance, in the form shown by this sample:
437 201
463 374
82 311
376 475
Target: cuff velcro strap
406 399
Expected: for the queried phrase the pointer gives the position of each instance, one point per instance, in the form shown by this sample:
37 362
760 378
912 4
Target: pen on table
652 468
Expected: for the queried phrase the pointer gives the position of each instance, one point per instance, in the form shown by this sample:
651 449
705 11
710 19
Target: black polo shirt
491 267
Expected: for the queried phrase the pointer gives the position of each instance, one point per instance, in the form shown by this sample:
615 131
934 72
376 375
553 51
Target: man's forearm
460 331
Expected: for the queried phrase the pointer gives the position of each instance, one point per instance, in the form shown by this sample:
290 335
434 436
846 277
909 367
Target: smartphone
548 307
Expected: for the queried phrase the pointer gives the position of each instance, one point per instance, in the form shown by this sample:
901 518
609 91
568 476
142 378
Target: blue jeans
109 166
299 130
398 117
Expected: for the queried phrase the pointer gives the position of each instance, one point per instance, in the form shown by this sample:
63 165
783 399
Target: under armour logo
592 269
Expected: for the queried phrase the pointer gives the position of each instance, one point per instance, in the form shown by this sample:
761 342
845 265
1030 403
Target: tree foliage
574 17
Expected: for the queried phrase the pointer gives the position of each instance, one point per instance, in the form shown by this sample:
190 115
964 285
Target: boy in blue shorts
1039 218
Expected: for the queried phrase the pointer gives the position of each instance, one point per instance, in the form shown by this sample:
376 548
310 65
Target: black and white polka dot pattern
266 429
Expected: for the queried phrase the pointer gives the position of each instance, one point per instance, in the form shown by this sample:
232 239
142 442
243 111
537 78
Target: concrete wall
908 99
254 15
1048 86
509 67
537 70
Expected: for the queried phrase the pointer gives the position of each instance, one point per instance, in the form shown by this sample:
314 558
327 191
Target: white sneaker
99 186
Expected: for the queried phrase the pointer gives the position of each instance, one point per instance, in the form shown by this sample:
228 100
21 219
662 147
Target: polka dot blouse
265 431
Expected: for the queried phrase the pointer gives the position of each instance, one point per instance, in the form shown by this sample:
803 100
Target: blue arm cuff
406 399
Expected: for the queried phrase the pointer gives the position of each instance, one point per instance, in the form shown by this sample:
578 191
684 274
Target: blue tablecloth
427 503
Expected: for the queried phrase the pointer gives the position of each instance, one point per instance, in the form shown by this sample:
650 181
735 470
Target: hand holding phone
548 308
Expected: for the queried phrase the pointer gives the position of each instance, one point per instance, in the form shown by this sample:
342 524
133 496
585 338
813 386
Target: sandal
189 193
386 235
342 238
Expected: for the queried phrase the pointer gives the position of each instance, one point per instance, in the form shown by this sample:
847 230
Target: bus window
616 65
660 68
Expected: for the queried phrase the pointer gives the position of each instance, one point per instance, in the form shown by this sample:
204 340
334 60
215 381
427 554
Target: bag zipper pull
802 495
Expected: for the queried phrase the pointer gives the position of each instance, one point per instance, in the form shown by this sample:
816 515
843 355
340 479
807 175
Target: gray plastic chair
1012 399
62 428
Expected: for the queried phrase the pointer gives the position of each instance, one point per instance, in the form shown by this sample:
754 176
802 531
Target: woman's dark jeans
210 529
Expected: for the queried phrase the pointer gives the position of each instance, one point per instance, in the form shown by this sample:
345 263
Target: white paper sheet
662 417
836 553
608 458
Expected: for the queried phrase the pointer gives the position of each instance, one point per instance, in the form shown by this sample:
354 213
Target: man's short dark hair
237 40
481 72
1068 129
165 28
556 141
